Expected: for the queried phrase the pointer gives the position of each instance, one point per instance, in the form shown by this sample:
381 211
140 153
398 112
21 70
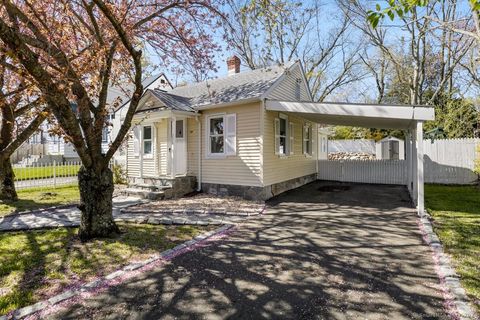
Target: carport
404 117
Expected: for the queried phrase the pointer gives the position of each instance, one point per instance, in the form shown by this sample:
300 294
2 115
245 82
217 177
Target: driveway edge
116 277
457 302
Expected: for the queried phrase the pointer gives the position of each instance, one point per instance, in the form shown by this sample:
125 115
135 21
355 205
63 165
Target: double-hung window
147 140
307 139
282 135
221 130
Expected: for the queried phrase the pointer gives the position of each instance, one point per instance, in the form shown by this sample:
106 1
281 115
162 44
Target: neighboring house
44 147
155 82
250 134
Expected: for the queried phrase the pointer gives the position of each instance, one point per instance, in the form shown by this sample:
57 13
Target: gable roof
116 92
233 88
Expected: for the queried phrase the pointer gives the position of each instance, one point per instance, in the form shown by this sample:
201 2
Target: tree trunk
7 184
96 193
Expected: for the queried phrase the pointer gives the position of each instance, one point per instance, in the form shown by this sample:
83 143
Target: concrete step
150 187
144 194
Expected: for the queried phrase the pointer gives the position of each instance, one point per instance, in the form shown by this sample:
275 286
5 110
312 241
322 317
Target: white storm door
180 135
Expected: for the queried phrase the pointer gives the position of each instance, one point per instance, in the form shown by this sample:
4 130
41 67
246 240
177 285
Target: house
251 134
44 148
217 135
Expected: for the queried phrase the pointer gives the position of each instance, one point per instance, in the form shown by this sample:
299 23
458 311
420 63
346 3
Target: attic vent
297 90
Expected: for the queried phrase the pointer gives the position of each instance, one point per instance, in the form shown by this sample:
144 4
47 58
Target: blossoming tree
75 49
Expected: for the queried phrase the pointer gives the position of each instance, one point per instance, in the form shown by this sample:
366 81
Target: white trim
142 148
305 81
208 154
307 126
420 173
286 151
199 173
368 115
173 130
226 104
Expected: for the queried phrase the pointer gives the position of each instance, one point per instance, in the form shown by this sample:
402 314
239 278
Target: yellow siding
286 89
155 164
192 147
245 167
276 168
133 163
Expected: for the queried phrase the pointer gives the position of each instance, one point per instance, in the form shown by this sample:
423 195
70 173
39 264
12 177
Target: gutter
226 104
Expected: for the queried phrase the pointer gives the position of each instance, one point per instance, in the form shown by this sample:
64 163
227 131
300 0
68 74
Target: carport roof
354 114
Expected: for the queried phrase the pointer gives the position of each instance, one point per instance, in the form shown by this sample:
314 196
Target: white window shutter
277 135
304 136
231 134
136 141
291 147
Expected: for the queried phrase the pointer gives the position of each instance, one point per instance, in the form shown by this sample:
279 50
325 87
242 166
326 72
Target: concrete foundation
257 193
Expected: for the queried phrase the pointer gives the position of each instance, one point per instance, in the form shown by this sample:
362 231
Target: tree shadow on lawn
344 262
38 264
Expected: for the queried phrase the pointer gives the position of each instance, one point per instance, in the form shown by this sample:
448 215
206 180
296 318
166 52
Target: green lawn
45 172
30 199
456 213
38 264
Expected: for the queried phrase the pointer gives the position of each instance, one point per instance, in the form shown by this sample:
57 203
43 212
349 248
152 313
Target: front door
180 147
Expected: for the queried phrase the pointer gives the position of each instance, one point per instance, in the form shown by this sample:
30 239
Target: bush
119 174
477 161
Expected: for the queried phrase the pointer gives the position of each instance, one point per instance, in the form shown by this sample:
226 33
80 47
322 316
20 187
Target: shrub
119 174
477 161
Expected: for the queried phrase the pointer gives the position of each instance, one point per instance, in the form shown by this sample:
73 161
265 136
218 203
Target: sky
357 92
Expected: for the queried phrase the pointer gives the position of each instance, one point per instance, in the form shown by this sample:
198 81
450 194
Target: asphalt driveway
323 251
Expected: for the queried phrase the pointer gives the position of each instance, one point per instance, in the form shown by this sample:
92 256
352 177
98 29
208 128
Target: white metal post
54 174
413 176
408 159
420 179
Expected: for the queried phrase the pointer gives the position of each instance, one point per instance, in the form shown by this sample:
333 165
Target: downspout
318 151
199 171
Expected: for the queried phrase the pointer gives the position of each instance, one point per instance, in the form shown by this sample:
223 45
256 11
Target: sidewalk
70 217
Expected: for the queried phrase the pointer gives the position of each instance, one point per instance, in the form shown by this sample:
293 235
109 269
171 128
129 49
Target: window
307 139
147 140
179 129
281 135
105 135
222 138
216 135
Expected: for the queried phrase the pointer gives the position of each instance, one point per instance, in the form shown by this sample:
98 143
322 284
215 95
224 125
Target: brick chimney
233 64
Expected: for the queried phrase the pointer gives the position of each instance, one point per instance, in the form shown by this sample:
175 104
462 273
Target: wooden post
420 178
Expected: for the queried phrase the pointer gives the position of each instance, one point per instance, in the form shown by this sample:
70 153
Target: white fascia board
354 110
226 104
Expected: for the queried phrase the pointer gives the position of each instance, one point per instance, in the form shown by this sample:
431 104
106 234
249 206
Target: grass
30 173
38 264
456 213
31 199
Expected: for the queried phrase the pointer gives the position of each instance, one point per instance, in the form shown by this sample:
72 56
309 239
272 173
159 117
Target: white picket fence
46 175
446 161
366 171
